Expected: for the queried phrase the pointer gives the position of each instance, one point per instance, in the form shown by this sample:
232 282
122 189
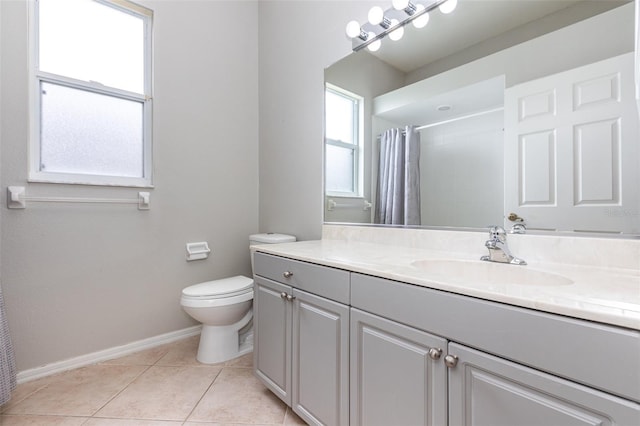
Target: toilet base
222 343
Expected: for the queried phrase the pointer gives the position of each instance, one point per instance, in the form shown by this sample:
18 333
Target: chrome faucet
498 249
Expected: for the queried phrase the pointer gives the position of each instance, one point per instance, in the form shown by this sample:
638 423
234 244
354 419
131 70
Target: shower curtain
7 360
398 189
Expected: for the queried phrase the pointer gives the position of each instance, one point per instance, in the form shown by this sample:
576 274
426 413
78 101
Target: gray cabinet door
272 337
487 390
393 379
320 360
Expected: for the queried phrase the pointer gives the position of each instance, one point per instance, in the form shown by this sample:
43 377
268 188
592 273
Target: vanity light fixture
375 43
448 7
396 35
392 21
422 20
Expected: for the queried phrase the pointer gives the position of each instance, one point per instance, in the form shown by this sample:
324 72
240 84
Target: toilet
224 307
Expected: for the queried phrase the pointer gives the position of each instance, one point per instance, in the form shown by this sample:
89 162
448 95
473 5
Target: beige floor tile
79 392
129 422
27 420
145 357
223 424
24 390
182 353
162 393
238 397
244 361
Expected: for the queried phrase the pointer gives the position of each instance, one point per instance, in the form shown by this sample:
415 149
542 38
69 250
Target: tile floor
163 386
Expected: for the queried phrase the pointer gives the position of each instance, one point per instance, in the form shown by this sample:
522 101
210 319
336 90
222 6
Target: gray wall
367 76
82 278
298 40
1 186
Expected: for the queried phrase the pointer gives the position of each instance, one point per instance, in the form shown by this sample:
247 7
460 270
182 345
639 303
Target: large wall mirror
503 112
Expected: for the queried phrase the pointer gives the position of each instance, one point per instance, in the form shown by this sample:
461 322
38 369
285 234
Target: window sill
90 180
344 195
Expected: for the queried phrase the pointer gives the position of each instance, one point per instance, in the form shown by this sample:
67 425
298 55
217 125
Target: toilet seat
217 289
227 291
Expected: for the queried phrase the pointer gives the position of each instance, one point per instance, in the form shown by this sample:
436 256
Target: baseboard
104 355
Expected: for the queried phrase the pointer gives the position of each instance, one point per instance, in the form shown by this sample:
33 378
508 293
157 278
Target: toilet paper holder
197 251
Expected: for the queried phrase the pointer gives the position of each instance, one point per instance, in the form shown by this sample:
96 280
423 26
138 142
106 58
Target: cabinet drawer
598 355
321 280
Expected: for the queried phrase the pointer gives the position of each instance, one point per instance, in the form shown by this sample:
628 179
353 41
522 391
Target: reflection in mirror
530 114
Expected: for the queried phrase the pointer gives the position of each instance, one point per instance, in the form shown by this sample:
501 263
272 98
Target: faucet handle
497 233
518 228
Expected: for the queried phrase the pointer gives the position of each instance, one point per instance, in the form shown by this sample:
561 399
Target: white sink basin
491 273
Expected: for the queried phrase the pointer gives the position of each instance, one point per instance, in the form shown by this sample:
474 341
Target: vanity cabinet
488 390
342 348
272 319
301 339
397 377
512 366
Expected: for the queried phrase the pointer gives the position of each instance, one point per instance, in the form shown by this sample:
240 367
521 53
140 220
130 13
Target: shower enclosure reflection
398 182
458 111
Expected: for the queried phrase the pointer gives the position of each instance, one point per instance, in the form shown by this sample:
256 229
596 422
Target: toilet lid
220 288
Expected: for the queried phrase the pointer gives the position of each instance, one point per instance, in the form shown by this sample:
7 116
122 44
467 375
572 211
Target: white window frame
358 152
38 77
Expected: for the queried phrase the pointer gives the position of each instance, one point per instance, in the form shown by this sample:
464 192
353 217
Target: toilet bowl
224 309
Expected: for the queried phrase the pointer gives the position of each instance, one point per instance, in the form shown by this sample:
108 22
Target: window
91 93
343 141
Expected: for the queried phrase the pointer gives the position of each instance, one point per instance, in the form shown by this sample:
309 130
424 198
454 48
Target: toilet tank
269 238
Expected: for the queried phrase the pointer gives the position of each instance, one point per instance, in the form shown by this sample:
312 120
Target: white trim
356 146
128 7
35 173
106 354
638 54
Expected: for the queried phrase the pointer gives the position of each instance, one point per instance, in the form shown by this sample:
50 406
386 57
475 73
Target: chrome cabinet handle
287 274
435 353
286 296
450 361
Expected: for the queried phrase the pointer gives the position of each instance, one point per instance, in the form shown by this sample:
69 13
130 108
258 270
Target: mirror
477 100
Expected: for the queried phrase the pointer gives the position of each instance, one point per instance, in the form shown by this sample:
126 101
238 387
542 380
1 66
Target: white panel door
571 149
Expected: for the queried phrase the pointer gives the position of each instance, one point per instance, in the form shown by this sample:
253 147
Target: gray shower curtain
398 189
7 360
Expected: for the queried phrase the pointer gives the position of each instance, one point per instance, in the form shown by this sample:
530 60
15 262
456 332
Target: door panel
486 390
571 149
272 337
393 379
320 360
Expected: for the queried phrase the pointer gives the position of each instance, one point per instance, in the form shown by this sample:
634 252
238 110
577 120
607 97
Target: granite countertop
601 294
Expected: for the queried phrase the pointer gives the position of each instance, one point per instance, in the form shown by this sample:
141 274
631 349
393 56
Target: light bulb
448 6
376 15
396 34
353 29
400 4
375 45
422 20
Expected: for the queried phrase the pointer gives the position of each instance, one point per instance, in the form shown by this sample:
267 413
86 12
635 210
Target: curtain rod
462 117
